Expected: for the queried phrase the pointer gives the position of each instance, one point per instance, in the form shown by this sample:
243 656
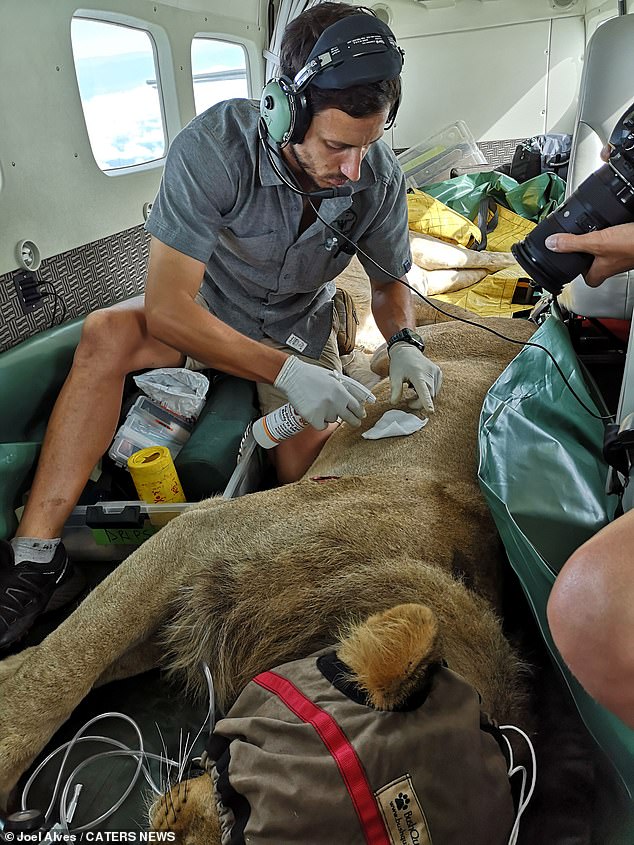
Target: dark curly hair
300 36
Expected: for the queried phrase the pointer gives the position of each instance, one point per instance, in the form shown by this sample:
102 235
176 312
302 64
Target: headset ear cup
303 116
276 110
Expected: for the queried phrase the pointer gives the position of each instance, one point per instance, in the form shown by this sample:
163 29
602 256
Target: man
591 606
239 280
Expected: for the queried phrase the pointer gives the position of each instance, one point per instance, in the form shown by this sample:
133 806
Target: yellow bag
510 229
429 216
493 296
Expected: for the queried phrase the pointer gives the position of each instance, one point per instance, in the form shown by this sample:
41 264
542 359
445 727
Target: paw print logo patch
402 813
402 801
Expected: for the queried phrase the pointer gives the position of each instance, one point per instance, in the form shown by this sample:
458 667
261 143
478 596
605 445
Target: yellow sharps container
154 476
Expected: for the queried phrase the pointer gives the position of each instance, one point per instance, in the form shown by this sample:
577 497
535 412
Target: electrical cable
357 248
57 298
601 417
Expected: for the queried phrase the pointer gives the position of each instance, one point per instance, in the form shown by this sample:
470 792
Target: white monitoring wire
67 809
123 750
512 770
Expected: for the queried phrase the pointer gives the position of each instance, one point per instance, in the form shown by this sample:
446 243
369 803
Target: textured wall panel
86 278
499 152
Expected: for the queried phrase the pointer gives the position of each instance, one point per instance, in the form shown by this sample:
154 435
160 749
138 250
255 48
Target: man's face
333 148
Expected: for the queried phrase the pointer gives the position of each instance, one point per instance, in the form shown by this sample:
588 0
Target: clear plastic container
110 531
148 424
433 159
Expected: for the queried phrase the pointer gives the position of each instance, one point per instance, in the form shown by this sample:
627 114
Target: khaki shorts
270 397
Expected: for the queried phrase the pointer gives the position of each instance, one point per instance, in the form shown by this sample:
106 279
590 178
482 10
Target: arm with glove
392 310
322 396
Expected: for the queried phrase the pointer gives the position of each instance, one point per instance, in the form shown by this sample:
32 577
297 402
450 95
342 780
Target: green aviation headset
356 50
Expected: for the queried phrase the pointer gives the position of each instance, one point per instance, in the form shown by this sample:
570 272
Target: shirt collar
268 176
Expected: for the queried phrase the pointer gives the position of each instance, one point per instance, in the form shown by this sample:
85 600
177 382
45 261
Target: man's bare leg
114 343
293 457
35 573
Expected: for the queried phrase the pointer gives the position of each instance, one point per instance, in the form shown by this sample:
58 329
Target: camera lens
603 199
550 270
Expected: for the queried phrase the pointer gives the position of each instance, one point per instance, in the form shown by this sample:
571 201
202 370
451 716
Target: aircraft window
219 70
117 77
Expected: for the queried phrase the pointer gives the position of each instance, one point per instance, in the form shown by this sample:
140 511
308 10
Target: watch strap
407 336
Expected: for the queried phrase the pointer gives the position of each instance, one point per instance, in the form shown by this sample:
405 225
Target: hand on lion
408 364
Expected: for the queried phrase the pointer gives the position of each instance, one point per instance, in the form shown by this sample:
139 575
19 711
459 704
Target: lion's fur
390 656
247 583
388 653
188 811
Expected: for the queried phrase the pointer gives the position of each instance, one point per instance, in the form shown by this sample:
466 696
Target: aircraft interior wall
508 68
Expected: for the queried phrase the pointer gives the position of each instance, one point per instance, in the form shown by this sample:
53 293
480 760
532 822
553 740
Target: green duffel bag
31 376
533 199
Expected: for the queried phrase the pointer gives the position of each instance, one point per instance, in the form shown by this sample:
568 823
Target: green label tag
123 536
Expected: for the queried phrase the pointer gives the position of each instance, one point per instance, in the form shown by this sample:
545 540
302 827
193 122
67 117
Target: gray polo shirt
221 203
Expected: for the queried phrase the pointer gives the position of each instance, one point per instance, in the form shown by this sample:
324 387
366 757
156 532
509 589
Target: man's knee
576 607
293 457
592 627
109 338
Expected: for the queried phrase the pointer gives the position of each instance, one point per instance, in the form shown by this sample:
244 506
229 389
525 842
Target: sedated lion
249 584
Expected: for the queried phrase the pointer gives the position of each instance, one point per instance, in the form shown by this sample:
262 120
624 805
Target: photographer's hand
613 249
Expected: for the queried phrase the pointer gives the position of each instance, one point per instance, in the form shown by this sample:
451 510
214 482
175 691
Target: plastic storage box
149 424
433 159
110 531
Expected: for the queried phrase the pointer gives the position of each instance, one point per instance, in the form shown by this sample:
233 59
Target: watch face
407 336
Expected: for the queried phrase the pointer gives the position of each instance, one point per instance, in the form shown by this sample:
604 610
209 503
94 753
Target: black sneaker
29 589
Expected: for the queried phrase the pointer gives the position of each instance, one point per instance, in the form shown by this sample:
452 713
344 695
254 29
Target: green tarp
543 474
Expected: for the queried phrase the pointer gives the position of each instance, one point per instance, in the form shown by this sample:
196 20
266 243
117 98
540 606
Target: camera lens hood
596 204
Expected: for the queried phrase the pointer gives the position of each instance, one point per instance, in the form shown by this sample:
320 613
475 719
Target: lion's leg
141 658
40 688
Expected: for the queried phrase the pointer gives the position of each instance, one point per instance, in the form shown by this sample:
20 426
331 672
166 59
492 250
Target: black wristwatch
407 336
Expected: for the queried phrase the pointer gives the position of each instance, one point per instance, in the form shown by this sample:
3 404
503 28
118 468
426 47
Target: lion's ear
390 653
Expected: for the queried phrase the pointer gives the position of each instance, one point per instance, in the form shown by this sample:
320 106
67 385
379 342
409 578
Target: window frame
159 44
215 36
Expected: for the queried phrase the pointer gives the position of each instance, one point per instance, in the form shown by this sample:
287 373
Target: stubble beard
306 169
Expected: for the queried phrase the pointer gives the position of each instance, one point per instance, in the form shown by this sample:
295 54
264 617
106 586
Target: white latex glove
408 364
319 395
